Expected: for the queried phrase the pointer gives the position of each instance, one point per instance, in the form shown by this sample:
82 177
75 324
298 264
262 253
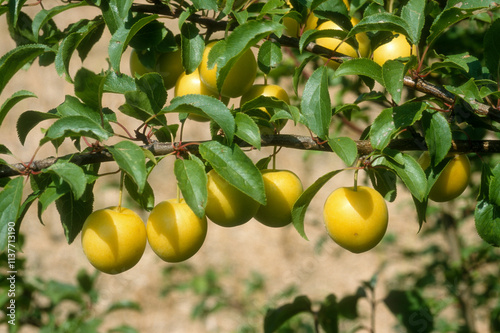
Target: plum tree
375 114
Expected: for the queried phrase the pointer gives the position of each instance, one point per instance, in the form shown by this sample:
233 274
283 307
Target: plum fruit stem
120 196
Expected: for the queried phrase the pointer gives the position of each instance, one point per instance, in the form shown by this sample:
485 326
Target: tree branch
418 84
284 140
423 86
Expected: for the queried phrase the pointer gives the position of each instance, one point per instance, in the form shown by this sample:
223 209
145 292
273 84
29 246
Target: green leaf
460 61
272 7
21 33
393 73
454 12
232 164
45 15
269 56
316 105
131 160
152 85
297 73
345 148
192 46
494 186
434 170
384 181
267 102
4 150
147 100
119 83
192 180
263 163
421 207
206 4
312 35
72 106
40 181
186 13
85 280
494 318
138 105
166 133
71 43
10 205
91 38
89 87
408 170
437 135
70 173
408 114
75 126
492 49
328 314
247 129
206 106
468 91
13 100
327 6
24 209
486 175
382 129
74 212
116 13
384 22
151 37
50 194
15 59
58 292
410 308
361 66
487 219
146 199
238 42
275 318
300 207
28 120
123 329
15 8
414 14
392 120
123 305
121 38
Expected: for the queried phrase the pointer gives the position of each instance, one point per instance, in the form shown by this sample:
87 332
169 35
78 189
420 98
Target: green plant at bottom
53 306
212 293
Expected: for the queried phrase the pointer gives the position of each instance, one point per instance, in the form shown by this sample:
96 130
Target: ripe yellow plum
356 219
113 239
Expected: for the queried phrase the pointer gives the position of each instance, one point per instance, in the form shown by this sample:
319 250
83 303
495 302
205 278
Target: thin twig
282 140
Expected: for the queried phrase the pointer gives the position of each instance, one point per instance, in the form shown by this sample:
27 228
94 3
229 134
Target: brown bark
286 141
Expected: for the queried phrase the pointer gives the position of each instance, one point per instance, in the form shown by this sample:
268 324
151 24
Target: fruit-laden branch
283 140
418 84
430 89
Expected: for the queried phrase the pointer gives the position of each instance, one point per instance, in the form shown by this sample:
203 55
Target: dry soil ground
281 256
